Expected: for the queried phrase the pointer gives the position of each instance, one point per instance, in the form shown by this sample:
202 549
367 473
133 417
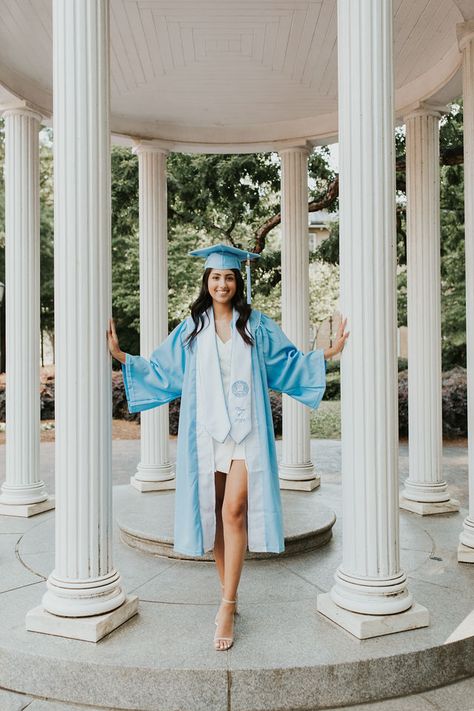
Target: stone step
453 697
145 521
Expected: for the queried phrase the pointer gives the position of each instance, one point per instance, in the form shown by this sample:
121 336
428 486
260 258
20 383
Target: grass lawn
325 422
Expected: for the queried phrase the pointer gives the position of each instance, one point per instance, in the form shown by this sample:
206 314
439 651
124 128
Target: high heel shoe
236 611
217 638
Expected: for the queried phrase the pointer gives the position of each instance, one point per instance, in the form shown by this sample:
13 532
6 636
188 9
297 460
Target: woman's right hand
113 342
340 341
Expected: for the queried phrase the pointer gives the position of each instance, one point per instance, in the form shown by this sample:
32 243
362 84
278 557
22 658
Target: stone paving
325 453
180 595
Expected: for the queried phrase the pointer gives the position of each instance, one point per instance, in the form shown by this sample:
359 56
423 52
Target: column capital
20 108
140 146
424 108
465 33
298 148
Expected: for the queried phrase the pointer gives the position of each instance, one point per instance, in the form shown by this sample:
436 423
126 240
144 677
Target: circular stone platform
145 521
286 654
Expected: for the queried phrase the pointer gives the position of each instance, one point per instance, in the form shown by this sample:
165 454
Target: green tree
210 198
453 278
46 228
222 196
453 298
2 202
453 319
46 236
125 256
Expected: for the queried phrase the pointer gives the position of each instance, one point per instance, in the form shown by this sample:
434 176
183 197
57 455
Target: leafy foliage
210 198
453 297
46 227
222 196
229 197
125 249
453 279
453 316
47 234
2 202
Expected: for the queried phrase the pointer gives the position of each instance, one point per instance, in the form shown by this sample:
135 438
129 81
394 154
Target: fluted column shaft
370 579
296 455
466 45
22 258
84 581
425 483
154 466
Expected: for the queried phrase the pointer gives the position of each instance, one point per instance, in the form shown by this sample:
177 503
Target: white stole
218 420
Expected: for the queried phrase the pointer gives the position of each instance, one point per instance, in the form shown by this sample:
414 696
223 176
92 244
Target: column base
426 508
466 537
366 626
301 484
434 492
87 629
143 486
300 477
26 510
465 554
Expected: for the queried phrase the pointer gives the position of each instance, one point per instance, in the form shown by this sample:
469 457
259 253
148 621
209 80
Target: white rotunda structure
232 76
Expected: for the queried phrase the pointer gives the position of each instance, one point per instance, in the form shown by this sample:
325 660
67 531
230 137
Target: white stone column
466 45
23 493
370 584
296 467
154 470
85 598
425 490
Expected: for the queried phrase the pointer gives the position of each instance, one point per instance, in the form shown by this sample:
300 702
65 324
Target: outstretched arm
154 381
289 370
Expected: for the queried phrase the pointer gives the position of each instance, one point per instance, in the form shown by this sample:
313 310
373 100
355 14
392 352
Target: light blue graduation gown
171 373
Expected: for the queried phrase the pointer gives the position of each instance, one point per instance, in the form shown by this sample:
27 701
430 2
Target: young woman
221 361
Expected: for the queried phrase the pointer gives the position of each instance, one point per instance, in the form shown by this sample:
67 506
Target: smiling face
222 285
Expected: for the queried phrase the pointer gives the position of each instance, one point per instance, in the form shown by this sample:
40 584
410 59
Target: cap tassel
249 281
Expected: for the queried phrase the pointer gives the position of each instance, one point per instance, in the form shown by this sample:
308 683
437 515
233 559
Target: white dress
225 452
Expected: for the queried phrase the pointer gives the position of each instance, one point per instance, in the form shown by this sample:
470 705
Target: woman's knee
234 514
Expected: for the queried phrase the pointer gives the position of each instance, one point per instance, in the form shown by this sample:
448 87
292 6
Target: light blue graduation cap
223 256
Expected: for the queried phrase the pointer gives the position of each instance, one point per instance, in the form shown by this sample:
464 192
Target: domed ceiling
228 71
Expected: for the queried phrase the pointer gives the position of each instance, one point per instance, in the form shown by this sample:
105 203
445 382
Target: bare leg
234 519
220 479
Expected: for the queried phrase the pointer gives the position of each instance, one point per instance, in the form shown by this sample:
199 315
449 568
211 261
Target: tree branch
323 204
448 156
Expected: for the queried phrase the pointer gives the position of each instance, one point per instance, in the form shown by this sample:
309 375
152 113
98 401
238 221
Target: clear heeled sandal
236 611
218 638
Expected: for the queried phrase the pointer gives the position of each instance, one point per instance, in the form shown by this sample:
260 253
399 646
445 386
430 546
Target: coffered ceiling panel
225 65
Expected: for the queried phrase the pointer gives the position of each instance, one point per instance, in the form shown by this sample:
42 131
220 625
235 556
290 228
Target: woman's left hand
339 343
113 342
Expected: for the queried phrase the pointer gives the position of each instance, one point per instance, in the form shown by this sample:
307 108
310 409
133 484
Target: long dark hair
204 300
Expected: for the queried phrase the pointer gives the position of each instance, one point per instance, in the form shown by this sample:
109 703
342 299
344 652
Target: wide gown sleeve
302 376
158 380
